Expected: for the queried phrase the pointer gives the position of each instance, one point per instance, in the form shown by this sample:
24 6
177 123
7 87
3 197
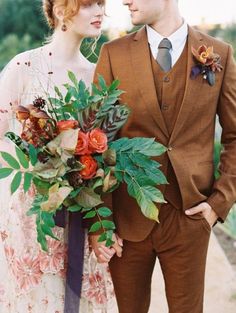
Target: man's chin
136 22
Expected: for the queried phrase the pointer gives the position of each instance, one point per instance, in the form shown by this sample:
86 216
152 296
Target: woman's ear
59 12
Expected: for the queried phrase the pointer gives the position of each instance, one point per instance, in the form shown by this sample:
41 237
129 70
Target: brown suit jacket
190 146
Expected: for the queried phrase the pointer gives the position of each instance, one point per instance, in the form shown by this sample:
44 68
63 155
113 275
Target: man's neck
169 22
167 28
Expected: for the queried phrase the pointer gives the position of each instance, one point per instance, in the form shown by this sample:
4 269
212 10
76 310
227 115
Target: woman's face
87 22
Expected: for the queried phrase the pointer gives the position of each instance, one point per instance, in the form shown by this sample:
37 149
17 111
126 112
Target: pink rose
82 144
90 166
97 141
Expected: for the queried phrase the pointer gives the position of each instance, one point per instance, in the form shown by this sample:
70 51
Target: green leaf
109 242
33 154
59 94
73 78
104 212
98 183
68 96
153 194
96 91
102 237
90 214
102 83
156 176
87 198
48 231
108 224
114 85
148 208
48 219
27 181
95 227
155 149
23 145
15 184
5 172
22 158
41 186
33 210
119 144
41 238
74 208
12 162
75 192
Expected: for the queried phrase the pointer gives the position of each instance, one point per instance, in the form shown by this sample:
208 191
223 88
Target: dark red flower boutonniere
208 63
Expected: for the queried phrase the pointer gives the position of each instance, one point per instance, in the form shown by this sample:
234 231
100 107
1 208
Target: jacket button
169 148
164 107
166 79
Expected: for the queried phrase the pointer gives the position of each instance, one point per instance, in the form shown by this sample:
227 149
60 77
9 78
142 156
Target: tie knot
165 44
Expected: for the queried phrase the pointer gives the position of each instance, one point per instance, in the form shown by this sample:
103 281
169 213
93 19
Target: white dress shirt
177 39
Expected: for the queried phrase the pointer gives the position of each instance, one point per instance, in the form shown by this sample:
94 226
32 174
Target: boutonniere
208 63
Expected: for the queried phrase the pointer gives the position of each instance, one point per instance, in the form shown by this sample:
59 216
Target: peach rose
90 166
82 144
97 141
65 125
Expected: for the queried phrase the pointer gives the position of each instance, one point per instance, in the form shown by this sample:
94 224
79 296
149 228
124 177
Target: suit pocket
203 177
198 218
206 225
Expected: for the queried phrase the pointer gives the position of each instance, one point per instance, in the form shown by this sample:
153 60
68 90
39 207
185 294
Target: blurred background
23 27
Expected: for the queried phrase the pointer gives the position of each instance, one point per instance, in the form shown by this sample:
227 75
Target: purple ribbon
76 238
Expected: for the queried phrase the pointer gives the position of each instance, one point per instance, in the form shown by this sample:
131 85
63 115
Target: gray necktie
163 55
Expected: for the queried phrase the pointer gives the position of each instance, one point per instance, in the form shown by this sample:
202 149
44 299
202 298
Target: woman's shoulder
87 65
23 61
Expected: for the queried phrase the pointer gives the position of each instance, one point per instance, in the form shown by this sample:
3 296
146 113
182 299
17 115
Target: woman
31 280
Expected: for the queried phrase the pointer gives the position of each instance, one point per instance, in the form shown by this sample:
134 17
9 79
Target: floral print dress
31 280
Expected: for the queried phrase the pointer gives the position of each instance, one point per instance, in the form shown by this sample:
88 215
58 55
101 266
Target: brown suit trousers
180 243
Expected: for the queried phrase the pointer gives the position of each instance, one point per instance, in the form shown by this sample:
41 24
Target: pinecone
39 103
71 162
75 179
42 157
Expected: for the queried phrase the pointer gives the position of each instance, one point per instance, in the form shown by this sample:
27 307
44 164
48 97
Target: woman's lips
97 24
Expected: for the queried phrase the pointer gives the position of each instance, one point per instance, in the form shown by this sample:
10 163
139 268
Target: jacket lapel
143 75
195 40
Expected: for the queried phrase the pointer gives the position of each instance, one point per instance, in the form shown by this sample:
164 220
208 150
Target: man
154 66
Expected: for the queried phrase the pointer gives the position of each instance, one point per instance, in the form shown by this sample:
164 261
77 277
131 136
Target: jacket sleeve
103 67
224 189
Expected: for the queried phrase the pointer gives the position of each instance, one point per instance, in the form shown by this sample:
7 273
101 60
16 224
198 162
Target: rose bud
35 113
22 113
100 173
65 125
109 157
42 157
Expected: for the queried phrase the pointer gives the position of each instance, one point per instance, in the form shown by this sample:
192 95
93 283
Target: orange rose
90 166
65 125
82 144
97 141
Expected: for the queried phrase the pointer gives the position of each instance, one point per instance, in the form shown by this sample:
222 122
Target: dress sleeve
11 90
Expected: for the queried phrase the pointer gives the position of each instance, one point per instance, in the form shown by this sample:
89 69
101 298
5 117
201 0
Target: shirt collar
177 38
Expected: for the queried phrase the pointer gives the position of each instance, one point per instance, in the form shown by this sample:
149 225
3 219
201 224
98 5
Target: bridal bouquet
68 153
